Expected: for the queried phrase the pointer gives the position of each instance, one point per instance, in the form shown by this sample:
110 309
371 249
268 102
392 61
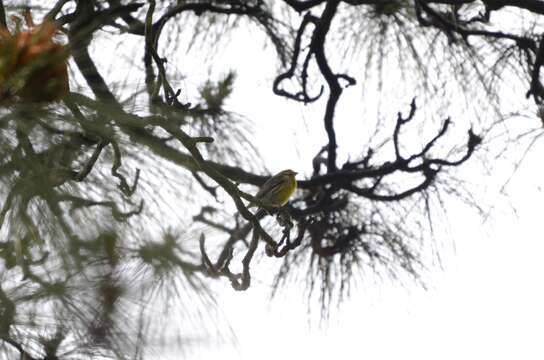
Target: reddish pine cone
32 66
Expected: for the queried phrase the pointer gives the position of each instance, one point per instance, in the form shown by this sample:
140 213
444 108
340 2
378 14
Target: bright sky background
485 303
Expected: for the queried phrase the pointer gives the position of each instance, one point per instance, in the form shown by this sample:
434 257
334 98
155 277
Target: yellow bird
277 190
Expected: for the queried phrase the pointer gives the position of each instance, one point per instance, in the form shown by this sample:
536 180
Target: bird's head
289 172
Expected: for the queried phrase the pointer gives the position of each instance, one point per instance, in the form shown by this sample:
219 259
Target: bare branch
3 24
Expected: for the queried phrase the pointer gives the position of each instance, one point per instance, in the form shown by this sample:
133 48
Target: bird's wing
270 187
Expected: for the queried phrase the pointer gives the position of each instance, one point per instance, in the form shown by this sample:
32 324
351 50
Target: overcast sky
486 302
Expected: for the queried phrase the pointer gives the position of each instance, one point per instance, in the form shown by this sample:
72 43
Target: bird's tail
261 213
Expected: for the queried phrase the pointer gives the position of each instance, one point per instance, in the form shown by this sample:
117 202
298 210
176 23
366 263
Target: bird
277 190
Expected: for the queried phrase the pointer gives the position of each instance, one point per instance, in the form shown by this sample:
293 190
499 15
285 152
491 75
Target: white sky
486 303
